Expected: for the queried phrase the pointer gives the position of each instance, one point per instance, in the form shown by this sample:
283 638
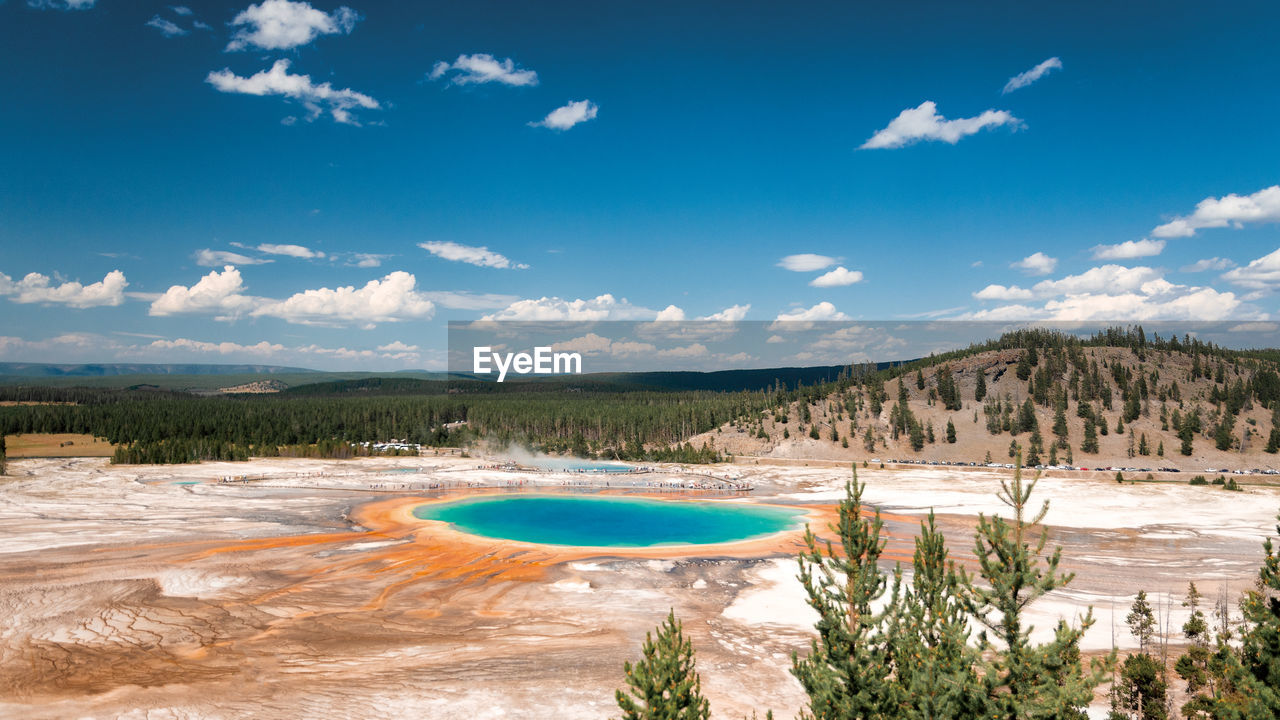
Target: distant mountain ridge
18 369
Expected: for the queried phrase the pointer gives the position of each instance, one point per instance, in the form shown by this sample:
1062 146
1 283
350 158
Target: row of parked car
956 463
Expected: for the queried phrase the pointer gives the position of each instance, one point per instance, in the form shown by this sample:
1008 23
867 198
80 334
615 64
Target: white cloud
284 24
391 299
166 27
924 123
180 9
821 312
295 251
366 260
563 118
1036 264
1000 292
1101 279
602 307
1213 263
670 313
262 348
38 288
480 256
687 351
1114 293
90 347
217 292
61 4
1255 327
729 314
1024 79
806 262
593 344
1128 249
839 277
277 81
1260 274
467 300
484 68
398 347
1229 210
218 258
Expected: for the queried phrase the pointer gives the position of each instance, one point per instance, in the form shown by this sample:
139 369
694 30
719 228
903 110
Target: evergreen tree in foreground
1256 673
664 685
1026 680
846 674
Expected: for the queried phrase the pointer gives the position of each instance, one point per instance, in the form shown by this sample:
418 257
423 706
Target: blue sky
411 163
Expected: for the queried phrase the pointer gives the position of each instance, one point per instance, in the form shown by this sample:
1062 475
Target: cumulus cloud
1128 249
839 277
480 256
1024 79
1228 210
670 313
391 299
563 118
1213 263
1000 292
294 251
821 312
317 99
1260 274
729 314
806 262
601 307
483 68
218 258
1036 264
218 292
284 24
1113 293
180 9
924 123
166 27
1104 278
38 288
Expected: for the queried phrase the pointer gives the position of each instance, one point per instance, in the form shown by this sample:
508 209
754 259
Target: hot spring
604 521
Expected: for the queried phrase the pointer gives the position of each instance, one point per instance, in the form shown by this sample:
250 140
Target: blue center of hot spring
600 521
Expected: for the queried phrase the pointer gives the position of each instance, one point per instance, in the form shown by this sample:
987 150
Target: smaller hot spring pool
581 466
604 521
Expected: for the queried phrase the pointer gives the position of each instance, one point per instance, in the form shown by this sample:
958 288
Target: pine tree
1026 680
846 672
935 666
1089 443
980 391
4 458
1060 425
1141 619
1258 675
1193 666
951 432
664 685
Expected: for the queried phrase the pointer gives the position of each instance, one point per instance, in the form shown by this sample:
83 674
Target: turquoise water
187 482
599 521
576 465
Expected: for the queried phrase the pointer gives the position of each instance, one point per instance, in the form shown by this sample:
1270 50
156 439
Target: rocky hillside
1193 408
